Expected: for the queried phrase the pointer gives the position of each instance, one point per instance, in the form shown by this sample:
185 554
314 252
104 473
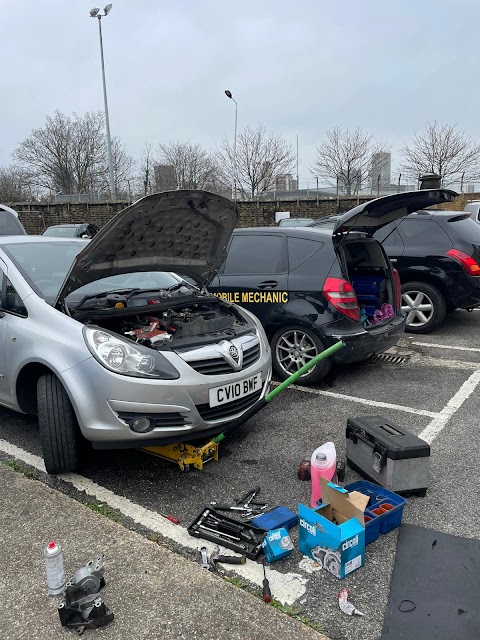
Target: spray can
54 569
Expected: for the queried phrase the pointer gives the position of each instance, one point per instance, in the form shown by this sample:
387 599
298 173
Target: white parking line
438 423
287 587
365 401
445 346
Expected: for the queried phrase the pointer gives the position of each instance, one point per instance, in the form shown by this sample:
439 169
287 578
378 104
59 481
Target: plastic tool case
387 454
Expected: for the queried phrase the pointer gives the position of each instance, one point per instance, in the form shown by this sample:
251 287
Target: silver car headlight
124 357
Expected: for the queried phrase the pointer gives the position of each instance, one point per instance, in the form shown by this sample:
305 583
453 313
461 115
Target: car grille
209 413
159 420
219 366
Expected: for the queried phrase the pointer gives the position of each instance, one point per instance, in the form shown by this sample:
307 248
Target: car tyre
59 431
424 306
311 344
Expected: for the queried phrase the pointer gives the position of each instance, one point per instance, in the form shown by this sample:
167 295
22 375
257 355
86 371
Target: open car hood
182 231
372 215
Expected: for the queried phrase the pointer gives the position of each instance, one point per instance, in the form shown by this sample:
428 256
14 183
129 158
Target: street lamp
95 13
234 182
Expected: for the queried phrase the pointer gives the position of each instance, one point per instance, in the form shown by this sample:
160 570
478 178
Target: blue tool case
384 509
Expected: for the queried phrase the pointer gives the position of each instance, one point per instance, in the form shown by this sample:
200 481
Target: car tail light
342 295
470 265
398 289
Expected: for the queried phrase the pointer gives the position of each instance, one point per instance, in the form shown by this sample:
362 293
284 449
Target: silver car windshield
45 265
63 232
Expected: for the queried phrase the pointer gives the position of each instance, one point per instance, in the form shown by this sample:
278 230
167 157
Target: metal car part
89 612
89 578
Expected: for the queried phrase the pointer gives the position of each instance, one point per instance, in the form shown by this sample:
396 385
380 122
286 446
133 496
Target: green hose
283 385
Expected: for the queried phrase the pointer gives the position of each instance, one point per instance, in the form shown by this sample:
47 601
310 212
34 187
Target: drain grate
387 358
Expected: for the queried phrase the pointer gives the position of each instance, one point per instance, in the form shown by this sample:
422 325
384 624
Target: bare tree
70 155
443 150
123 170
261 157
184 165
145 175
344 158
15 184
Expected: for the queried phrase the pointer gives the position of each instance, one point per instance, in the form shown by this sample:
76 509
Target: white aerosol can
54 569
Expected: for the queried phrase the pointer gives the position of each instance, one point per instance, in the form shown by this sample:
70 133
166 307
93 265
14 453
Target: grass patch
153 537
104 510
13 464
17 466
236 581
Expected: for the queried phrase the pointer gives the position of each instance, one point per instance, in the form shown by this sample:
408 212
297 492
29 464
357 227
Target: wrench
205 562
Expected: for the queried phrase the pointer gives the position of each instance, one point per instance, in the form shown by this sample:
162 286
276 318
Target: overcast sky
297 67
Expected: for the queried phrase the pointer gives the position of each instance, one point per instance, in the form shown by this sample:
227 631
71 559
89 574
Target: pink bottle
324 463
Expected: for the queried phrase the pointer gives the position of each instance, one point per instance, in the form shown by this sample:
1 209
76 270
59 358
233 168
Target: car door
12 315
392 242
255 274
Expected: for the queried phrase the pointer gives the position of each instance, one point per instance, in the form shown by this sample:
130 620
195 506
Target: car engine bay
170 323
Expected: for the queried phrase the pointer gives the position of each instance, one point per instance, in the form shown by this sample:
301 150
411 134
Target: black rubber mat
435 587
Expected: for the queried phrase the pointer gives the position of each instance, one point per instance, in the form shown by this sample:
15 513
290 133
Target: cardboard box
277 544
333 534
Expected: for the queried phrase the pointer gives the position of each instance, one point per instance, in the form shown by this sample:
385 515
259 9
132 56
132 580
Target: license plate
235 390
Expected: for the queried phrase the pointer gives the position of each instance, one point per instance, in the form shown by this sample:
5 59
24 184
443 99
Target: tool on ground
54 569
171 518
187 455
215 557
205 562
245 506
346 606
266 593
218 528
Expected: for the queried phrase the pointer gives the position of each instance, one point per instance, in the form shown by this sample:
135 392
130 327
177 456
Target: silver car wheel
293 350
418 308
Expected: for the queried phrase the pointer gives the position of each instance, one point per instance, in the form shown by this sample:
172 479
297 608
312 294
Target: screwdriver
267 594
171 518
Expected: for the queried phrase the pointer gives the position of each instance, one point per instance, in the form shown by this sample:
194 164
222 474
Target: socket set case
248 547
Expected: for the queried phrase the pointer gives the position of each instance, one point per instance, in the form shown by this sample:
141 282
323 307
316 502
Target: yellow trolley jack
186 455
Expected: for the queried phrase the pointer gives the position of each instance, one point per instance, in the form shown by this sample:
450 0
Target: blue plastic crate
379 523
367 284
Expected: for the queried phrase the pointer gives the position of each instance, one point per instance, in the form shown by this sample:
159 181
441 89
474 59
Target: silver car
105 343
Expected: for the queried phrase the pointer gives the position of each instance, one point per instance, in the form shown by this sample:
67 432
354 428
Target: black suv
313 286
437 254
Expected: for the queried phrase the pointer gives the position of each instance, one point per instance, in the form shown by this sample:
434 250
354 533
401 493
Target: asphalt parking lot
434 392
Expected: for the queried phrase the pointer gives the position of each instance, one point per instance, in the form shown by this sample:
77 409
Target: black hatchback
313 286
437 254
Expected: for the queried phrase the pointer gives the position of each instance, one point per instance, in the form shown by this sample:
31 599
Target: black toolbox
387 454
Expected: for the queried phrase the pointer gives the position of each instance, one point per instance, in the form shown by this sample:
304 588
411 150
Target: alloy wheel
293 350
418 308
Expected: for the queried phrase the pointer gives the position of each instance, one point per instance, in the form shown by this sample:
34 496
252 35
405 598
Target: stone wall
36 216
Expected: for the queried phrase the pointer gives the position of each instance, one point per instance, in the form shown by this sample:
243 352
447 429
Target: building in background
285 183
381 168
165 179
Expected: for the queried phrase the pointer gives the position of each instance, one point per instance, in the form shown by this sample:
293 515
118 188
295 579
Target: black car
313 286
71 231
437 254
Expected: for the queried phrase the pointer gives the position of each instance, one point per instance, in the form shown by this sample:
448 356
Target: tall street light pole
95 13
234 181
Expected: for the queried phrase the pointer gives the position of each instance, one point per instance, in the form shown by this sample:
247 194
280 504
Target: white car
474 208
